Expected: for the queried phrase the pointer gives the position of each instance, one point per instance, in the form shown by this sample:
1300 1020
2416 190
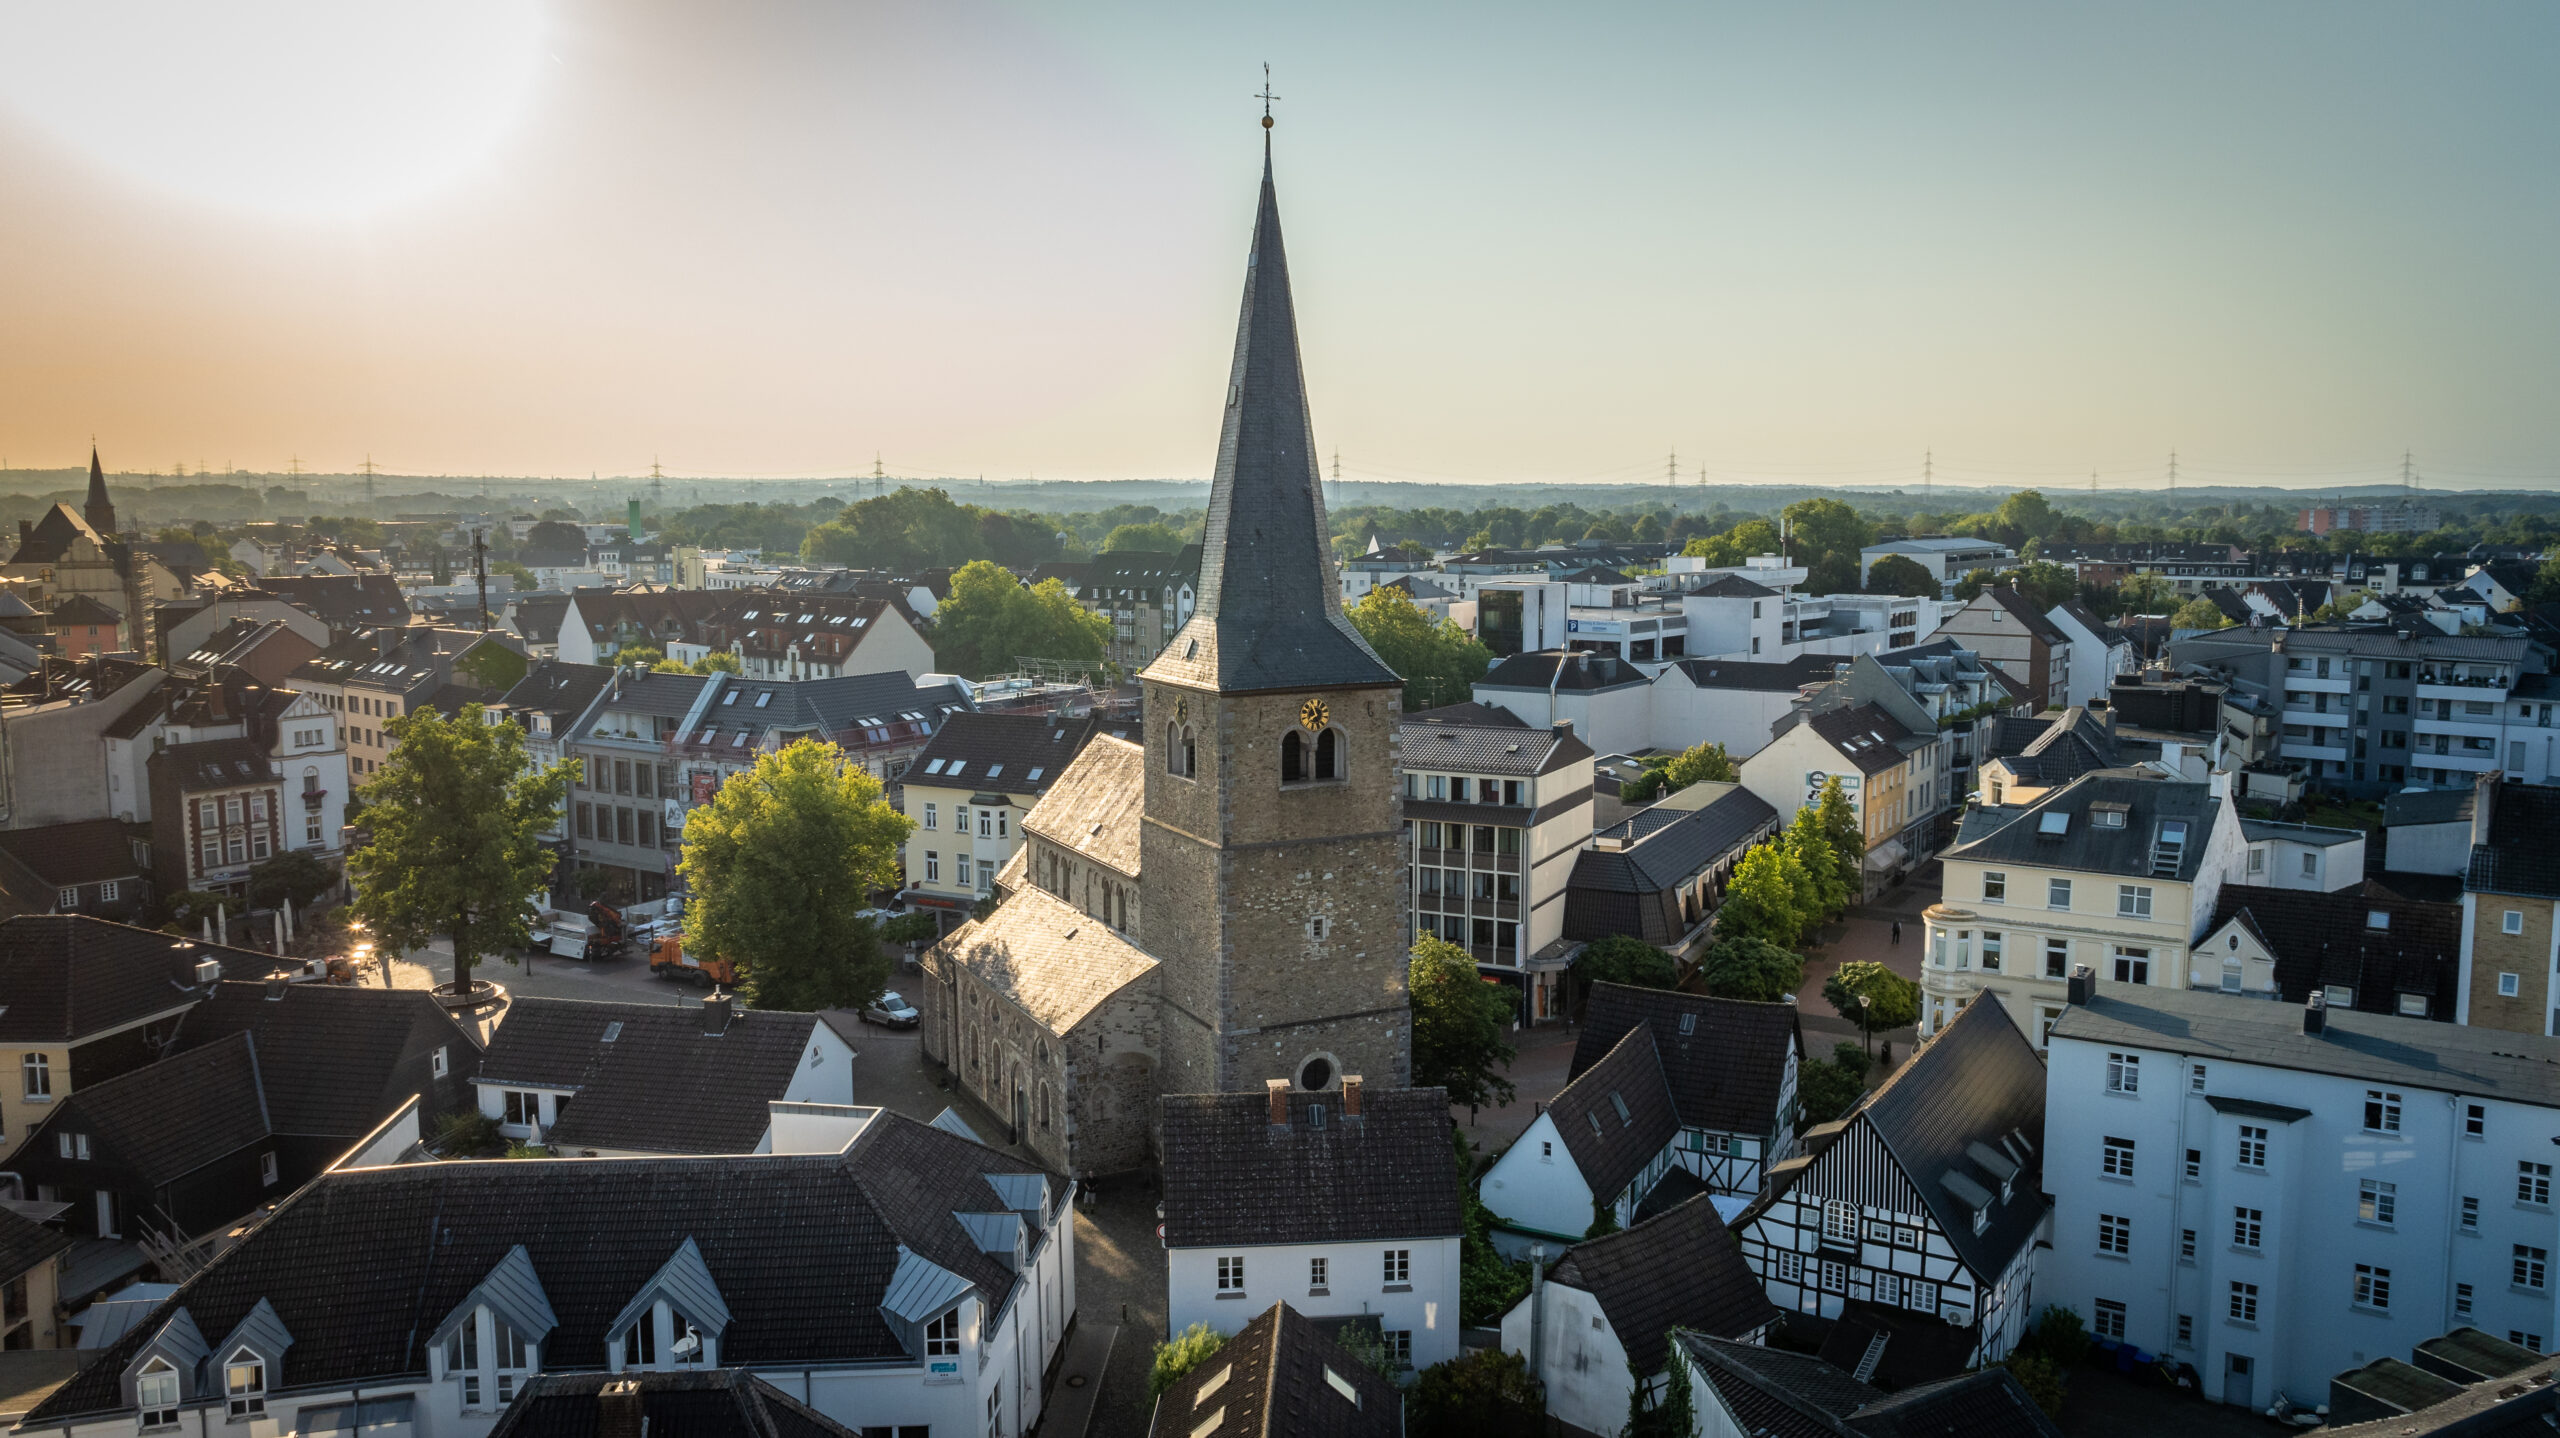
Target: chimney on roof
2315 1015
1563 728
1351 1095
2083 985
717 1009
618 1409
276 988
1279 1092
26 530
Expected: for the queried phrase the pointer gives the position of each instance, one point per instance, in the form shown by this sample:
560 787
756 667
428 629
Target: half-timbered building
1671 1095
1927 1198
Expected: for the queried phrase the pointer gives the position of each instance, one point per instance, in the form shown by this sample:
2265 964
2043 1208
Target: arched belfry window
1293 757
1181 750
1329 754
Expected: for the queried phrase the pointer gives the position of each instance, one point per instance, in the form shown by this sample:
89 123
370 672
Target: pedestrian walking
1897 933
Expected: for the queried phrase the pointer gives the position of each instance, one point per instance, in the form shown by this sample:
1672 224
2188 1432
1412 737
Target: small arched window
1190 754
1293 757
1328 755
1173 749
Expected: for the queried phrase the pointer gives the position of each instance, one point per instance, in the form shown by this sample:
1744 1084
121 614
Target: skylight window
933 766
956 766
994 770
763 699
613 1031
1034 776
729 698
740 741
2054 824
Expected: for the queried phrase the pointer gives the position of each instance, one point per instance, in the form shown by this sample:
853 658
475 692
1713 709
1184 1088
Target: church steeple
100 511
1270 612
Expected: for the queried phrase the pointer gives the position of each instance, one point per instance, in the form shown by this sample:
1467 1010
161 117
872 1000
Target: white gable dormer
2234 960
927 1299
674 1321
169 1371
492 1340
252 1359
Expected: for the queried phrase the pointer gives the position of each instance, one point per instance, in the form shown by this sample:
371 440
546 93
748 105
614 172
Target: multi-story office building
2278 1193
1947 558
1494 813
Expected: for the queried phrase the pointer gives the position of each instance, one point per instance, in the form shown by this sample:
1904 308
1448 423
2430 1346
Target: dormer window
942 1336
244 1382
462 1360
156 1393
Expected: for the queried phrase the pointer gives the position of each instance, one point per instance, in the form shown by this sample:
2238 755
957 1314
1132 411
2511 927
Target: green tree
781 862
491 665
991 619
1890 1001
1155 538
1647 528
649 655
1901 574
1368 1348
522 576
557 537
2041 1380
1438 661
1662 1410
297 875
2042 583
902 532
456 817
1810 846
1484 1390
1626 959
1748 968
1670 773
1974 582
718 661
1189 1349
2027 516
2199 613
1825 1090
2145 593
1458 1026
1761 902
1825 536
1731 548
2546 583
1848 841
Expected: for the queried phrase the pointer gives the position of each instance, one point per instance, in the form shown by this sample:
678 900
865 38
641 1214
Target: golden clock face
1313 713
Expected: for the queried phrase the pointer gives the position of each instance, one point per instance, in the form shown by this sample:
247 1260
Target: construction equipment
668 960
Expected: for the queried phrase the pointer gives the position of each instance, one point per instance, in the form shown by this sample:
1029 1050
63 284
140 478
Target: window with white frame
2124 1073
2057 893
2133 966
2253 1146
2377 1201
462 1360
2116 1158
2533 1182
2381 1111
155 1392
2244 1302
932 815
66 899
35 1075
2057 958
1995 888
2530 1266
942 1336
1840 1221
2115 1234
2512 922
1316 1275
1231 1274
1398 1265
2133 901
2373 1287
2248 1228
2109 1322
244 1383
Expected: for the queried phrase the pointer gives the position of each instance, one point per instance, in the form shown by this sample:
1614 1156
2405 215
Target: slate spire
99 510
1270 609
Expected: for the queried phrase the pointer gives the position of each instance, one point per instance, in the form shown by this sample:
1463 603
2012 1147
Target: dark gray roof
1784 676
342 601
2318 836
1480 748
1775 1393
2519 858
647 1076
24 1243
558 688
2074 742
1978 1082
334 1059
1682 1270
2477 1355
2399 1384
537 619
2383 1048
215 763
802 1249
1005 753
659 695
2322 939
83 851
1470 713
1231 1176
157 1123
1270 612
1725 1068
1636 889
1986 1404
67 977
2019 835
2519 1406
1617 1115
1537 670
1866 736
704 1403
1275 1379
1731 586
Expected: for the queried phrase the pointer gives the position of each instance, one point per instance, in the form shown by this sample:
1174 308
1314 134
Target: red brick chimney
1279 1090
1351 1095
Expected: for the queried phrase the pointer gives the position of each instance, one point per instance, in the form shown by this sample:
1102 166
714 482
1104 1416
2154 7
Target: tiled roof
558 688
2519 858
1096 806
1724 1059
1865 736
24 1243
216 763
155 1124
1617 1115
1682 1270
1270 610
1488 748
1470 713
2516 1406
704 1403
801 1248
84 851
1978 1082
1987 1404
81 609
1054 961
2026 835
1005 753
537 620
1537 670
2382 1048
1776 1393
655 694
336 1060
1280 1377
646 1076
2027 615
1233 1177
342 601
67 977
1781 677
1731 586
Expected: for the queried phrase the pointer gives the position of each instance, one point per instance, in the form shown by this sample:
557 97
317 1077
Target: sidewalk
1539 1074
1864 935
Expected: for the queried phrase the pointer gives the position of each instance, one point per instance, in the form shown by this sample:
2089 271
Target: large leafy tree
1762 901
991 619
2145 593
2042 583
2199 613
1890 1000
1439 662
455 818
907 530
1825 536
1848 841
1671 773
1810 846
1746 968
1901 574
1731 548
1626 959
1157 538
1458 1025
781 862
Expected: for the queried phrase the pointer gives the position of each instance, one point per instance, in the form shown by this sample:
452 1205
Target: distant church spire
100 511
1270 613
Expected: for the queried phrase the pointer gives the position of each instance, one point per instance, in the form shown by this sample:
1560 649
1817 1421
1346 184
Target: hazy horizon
1802 246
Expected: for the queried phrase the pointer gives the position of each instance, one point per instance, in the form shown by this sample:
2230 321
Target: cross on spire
1265 95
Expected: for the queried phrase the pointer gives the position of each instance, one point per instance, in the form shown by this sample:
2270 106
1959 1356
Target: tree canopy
455 819
1438 661
1848 842
556 536
1729 549
1155 538
2199 613
1749 968
991 619
781 863
1825 536
907 530
1671 773
1901 574
1458 1026
1764 900
1626 959
1892 1001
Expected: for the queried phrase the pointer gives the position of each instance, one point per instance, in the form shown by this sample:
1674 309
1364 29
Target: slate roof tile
659 1084
2322 939
1277 1379
705 1403
1976 1082
1610 1144
1054 961
1005 753
1682 1269
84 851
1725 1070
1097 805
1232 1177
335 1060
68 977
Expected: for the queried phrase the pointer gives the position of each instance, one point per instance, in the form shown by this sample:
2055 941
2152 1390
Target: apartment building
1947 558
2119 871
1495 812
2277 1193
967 792
2009 634
2511 909
1888 772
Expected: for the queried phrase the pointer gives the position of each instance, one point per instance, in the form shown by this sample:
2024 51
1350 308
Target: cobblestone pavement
1539 1073
1864 934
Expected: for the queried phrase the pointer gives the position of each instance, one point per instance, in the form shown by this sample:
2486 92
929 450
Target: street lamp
1865 1035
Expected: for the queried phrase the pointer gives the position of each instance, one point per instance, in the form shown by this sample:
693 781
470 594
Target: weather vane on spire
1265 95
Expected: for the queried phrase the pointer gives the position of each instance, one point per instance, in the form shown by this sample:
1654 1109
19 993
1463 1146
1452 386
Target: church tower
1275 889
99 510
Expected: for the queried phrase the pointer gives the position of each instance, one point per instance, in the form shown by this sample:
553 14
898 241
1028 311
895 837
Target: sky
1793 242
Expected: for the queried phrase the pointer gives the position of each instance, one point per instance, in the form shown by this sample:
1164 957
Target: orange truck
668 960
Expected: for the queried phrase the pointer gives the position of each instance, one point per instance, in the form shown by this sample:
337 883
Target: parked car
892 1011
